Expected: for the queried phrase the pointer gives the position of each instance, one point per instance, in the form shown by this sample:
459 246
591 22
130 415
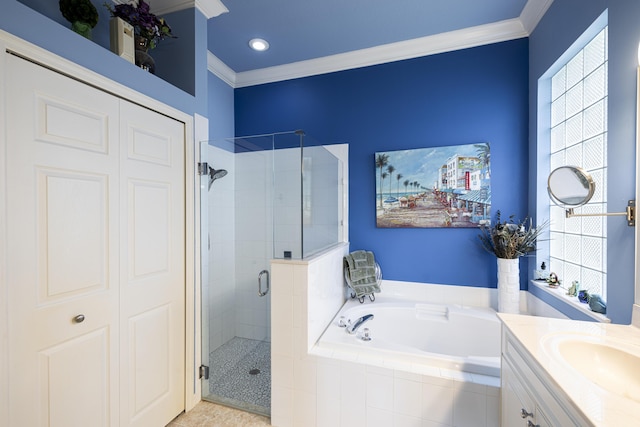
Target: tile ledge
560 294
635 316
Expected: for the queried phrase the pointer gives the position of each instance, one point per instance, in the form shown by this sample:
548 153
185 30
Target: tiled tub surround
313 387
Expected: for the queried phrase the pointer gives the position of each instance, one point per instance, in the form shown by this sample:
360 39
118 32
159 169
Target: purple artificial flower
145 23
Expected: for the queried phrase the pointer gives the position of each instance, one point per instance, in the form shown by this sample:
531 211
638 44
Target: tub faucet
353 328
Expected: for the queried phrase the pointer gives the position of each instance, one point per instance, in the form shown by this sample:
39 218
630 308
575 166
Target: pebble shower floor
234 379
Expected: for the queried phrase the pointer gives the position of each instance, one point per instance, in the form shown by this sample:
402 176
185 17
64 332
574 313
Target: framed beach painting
446 186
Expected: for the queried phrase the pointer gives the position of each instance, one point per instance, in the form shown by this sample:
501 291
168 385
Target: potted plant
508 241
81 13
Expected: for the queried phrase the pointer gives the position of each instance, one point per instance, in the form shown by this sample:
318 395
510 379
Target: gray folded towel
360 268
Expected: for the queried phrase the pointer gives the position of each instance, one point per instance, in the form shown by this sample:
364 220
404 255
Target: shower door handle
260 292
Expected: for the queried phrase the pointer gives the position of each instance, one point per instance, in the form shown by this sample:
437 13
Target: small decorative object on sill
573 289
542 273
597 305
583 296
149 29
143 59
508 241
553 280
82 14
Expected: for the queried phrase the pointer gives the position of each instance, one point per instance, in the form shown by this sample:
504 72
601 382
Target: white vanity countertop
539 336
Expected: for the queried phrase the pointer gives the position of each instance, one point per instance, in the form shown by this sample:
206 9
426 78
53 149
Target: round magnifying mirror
570 186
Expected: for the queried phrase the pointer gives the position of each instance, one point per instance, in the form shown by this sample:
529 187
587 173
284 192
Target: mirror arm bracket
630 213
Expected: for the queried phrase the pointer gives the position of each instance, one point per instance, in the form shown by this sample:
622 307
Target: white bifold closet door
96 265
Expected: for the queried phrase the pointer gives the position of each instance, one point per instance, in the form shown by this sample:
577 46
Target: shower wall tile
287 222
379 417
253 242
282 367
493 410
400 420
282 405
301 277
328 383
328 411
379 391
325 293
283 341
437 402
407 397
304 409
469 409
304 374
220 243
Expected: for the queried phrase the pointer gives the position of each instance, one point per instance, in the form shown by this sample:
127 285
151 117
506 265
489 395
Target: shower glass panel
322 198
262 197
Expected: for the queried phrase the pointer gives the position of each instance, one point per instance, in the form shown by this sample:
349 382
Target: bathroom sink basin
609 365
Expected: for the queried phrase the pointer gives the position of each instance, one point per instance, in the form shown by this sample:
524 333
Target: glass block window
578 137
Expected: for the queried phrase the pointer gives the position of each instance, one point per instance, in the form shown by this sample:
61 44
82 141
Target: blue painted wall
221 103
462 97
563 23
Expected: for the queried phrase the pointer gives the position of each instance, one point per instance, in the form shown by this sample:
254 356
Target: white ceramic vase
509 285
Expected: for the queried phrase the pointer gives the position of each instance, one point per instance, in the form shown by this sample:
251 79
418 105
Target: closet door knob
79 318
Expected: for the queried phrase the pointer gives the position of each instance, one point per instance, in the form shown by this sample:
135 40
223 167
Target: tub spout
353 328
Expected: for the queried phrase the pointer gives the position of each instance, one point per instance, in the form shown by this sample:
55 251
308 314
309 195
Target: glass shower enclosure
262 197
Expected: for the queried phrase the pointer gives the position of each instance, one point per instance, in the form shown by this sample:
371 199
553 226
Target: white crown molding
212 8
454 40
220 69
209 8
533 12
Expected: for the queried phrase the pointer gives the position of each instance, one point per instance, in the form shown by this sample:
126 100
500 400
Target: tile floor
240 374
207 414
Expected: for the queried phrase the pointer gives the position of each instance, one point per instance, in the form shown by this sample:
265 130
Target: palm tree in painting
416 186
398 178
381 161
390 169
484 154
384 176
406 184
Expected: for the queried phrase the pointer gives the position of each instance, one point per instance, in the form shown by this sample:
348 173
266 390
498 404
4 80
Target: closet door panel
152 274
72 217
59 365
62 268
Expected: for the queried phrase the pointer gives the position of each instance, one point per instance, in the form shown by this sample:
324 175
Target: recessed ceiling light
259 44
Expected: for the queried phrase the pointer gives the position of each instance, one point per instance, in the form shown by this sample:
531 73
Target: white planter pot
509 285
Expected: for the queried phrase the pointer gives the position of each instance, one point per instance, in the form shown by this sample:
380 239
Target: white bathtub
456 338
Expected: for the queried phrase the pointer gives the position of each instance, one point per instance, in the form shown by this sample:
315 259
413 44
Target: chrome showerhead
215 174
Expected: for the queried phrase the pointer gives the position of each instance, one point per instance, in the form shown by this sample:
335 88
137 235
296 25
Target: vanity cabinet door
516 402
542 419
